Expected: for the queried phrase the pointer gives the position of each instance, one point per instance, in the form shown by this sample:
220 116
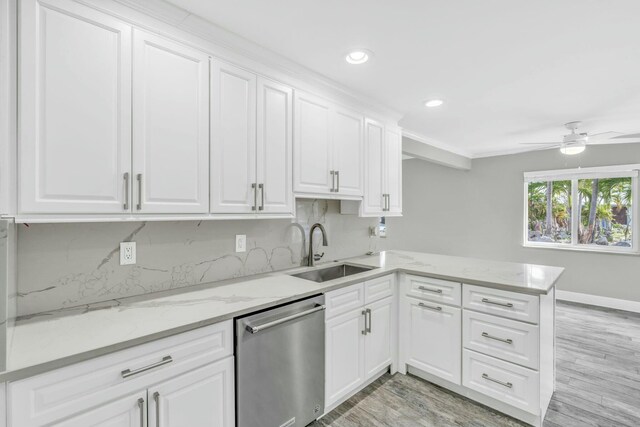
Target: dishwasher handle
258 328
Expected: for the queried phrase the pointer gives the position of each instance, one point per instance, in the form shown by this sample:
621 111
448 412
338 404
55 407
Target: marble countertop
51 340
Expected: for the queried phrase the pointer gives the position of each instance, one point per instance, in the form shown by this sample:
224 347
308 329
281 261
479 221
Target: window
585 209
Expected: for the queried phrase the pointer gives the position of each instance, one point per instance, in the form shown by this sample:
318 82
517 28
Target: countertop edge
26 372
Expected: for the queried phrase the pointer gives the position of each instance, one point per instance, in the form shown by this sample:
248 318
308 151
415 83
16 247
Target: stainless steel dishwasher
280 365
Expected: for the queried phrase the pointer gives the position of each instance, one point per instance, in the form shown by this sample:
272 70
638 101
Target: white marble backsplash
68 265
7 284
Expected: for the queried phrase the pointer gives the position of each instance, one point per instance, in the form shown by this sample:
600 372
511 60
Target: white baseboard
618 304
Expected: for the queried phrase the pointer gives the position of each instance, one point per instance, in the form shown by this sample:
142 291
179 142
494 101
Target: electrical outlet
241 242
127 253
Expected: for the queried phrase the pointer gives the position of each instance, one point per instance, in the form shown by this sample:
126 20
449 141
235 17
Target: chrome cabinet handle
258 328
388 202
430 307
491 337
368 311
364 313
125 205
487 377
337 181
139 178
156 398
129 373
142 411
436 291
384 203
255 197
333 181
261 187
502 304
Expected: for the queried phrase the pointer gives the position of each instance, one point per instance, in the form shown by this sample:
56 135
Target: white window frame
574 175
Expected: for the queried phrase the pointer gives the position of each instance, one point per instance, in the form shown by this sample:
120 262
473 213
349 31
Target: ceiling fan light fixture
433 103
572 149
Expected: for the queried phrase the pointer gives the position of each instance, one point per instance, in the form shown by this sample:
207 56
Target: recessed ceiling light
433 103
357 56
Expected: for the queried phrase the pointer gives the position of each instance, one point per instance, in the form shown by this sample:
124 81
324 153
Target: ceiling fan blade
540 143
603 136
628 136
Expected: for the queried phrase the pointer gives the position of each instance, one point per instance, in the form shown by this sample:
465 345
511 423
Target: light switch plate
241 242
127 253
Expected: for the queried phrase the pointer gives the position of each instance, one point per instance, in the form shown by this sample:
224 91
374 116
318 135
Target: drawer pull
487 377
430 307
129 373
502 304
423 288
508 340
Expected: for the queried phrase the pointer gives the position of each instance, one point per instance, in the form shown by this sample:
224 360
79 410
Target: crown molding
435 143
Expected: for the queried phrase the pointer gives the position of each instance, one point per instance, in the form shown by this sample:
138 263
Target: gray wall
479 213
66 265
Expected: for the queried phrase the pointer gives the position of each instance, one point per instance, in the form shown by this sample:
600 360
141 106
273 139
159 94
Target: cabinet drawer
379 288
503 381
501 303
343 300
57 394
442 291
505 339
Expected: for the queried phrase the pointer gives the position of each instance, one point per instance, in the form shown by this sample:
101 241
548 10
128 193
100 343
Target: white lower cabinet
377 343
358 343
203 397
192 374
344 347
433 338
506 382
128 411
3 403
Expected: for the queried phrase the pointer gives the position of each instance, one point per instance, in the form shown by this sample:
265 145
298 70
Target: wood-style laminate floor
597 383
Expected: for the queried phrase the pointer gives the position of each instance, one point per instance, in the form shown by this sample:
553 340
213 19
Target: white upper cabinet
312 146
275 143
251 143
347 145
233 139
383 170
170 126
393 163
328 146
75 109
373 202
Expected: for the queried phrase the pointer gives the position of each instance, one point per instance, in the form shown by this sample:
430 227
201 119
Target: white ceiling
510 71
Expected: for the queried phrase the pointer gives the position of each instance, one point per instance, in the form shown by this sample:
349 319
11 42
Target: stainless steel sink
333 272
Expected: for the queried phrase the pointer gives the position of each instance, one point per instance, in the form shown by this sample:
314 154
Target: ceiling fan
575 143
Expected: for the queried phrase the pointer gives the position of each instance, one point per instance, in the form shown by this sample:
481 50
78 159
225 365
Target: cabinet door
374 177
312 146
3 405
233 139
170 126
393 173
75 109
201 398
377 342
433 338
344 364
347 143
275 135
129 411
